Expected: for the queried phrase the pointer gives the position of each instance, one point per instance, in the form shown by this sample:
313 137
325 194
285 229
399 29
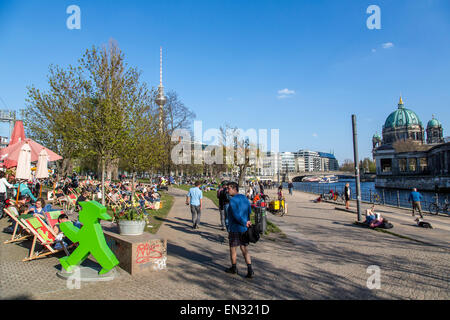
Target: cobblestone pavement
324 256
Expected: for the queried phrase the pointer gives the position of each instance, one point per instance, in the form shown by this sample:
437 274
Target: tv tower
160 99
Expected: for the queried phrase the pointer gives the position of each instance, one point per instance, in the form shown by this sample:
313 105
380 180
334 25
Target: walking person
222 195
238 223
416 198
290 187
194 199
347 194
3 194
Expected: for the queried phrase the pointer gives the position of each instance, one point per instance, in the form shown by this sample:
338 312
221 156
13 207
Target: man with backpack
238 223
222 195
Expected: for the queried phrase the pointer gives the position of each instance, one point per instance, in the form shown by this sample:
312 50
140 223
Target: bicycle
435 208
376 199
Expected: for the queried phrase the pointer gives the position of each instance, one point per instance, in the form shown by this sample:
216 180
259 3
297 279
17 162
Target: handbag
252 234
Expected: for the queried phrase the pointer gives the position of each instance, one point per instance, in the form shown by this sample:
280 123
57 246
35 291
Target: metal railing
388 197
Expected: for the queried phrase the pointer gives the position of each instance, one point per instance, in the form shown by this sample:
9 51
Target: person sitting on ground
319 199
376 219
370 215
336 195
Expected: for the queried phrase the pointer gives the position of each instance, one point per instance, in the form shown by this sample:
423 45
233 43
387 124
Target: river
368 190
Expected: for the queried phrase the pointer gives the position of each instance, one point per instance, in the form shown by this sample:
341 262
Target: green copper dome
433 123
402 117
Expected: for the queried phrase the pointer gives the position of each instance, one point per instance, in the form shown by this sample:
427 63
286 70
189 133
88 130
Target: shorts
237 239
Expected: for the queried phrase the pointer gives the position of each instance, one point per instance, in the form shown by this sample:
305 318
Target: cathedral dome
402 117
433 123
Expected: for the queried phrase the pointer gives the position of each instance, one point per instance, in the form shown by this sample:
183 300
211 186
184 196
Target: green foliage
131 213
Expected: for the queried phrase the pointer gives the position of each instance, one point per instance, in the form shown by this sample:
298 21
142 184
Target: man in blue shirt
238 223
416 197
194 199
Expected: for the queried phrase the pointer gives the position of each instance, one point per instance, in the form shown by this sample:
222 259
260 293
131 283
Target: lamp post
357 179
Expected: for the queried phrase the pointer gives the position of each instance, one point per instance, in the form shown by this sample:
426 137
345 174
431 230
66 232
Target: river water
368 190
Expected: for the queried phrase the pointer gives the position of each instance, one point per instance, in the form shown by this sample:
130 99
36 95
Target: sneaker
250 275
231 270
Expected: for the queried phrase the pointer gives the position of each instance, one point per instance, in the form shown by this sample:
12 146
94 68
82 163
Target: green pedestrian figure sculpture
90 238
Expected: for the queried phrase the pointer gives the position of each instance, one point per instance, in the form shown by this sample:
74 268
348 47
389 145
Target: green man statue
90 238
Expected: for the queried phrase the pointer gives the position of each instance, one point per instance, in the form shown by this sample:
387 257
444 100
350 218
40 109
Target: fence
390 197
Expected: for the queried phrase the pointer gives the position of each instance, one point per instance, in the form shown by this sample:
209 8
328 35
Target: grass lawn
212 195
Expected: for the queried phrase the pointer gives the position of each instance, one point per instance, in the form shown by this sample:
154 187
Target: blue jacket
238 213
415 196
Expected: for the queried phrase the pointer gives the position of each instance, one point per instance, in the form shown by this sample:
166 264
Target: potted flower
131 221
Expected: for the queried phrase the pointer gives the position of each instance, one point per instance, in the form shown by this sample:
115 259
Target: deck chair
45 236
52 217
71 200
17 236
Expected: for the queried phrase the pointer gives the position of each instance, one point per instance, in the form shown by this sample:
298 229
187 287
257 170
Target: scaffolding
8 116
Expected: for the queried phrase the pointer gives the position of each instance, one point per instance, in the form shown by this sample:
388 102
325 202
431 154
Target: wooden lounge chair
25 233
52 217
45 236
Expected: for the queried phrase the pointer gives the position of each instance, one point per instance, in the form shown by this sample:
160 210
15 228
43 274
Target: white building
300 164
287 162
310 163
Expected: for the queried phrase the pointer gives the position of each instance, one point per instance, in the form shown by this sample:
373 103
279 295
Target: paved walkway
323 257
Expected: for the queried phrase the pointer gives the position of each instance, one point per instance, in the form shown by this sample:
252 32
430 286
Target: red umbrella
10 154
18 133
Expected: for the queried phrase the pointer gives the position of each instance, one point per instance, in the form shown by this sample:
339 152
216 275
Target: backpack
387 225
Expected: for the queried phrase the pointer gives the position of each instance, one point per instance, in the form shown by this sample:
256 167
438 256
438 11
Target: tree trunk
103 181
132 185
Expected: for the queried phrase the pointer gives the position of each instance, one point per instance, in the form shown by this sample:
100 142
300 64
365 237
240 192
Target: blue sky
303 67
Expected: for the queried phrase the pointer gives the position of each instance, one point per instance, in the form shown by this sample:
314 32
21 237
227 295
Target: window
412 164
386 165
423 164
402 165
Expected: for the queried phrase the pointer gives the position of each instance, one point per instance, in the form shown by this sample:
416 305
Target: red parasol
10 154
18 133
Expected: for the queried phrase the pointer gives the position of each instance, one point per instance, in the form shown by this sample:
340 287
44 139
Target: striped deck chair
72 200
52 217
24 232
45 236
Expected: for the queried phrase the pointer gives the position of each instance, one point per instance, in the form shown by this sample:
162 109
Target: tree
175 116
51 118
112 89
241 150
348 166
141 147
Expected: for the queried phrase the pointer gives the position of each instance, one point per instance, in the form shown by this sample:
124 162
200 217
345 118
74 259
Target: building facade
404 160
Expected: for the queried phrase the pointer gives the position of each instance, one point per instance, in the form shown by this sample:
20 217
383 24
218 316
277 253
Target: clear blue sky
228 60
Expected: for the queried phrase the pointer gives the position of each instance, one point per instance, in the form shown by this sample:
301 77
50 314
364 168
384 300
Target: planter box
131 228
138 254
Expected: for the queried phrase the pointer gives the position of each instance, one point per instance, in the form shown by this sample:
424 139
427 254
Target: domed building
403 124
404 160
434 131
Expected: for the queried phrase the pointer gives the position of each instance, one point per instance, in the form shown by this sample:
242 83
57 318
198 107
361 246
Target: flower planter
131 228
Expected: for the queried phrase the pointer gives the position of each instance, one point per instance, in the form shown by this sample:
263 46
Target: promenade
322 256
